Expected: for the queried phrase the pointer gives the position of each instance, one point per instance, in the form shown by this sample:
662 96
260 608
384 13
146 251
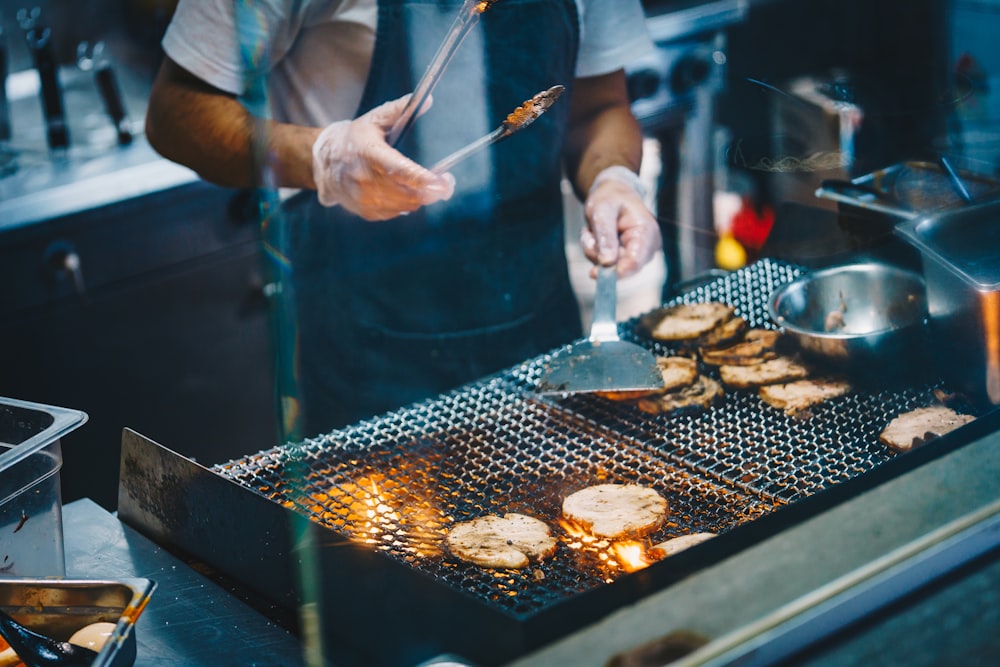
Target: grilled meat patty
701 393
508 541
676 371
771 371
914 428
756 346
687 321
796 397
678 544
616 510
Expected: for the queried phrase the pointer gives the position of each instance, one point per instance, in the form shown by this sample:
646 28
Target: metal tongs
467 18
518 119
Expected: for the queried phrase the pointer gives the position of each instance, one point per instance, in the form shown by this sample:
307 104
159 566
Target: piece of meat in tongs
467 18
518 119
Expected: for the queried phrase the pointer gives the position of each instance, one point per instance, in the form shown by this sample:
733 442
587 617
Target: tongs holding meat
467 18
518 119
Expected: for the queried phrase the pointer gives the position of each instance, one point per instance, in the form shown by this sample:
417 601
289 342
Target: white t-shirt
321 50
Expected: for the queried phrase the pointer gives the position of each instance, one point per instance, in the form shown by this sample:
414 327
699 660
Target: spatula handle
604 326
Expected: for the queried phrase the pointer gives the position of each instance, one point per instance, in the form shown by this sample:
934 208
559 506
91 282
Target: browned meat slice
772 371
795 398
699 394
677 372
914 428
687 321
678 544
616 510
757 345
725 333
508 541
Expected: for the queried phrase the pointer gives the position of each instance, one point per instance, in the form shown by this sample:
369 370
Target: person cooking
408 283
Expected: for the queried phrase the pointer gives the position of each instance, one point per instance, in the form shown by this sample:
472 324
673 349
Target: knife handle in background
107 85
40 45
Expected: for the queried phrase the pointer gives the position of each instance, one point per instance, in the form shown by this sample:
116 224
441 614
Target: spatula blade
612 366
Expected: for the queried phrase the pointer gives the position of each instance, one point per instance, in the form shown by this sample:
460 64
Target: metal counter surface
47 189
190 620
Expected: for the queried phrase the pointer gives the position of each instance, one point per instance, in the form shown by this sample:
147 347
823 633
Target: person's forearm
602 131
211 132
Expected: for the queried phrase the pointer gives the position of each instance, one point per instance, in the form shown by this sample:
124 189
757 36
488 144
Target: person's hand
620 227
354 167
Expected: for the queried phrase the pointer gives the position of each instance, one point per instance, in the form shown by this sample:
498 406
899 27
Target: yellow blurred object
93 636
730 254
8 658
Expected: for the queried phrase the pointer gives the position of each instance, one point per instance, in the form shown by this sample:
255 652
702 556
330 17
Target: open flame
614 555
631 555
375 510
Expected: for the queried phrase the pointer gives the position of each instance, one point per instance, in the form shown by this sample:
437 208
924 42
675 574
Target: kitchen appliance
375 499
960 249
673 93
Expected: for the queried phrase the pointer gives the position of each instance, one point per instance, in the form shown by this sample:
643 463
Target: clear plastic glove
354 167
620 227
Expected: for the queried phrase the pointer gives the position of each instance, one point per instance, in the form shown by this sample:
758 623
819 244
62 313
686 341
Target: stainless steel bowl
867 315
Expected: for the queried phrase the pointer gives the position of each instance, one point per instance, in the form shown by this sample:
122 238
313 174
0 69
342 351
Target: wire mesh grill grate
400 481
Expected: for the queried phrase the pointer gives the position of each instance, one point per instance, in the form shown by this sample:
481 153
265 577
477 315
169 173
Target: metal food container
863 316
60 607
961 265
30 496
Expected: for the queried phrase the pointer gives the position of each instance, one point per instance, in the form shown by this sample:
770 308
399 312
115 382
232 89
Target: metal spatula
602 362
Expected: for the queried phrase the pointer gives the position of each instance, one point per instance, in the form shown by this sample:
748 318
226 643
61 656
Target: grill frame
427 614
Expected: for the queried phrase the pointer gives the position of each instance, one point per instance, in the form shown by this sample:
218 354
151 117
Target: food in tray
701 393
52 651
772 371
796 397
687 321
757 345
677 372
678 544
616 510
509 541
914 428
93 636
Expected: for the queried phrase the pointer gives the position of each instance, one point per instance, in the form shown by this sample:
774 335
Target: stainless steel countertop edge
74 188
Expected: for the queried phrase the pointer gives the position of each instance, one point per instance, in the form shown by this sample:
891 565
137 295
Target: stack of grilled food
710 336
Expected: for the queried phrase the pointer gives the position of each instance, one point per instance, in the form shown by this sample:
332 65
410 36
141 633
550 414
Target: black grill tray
379 497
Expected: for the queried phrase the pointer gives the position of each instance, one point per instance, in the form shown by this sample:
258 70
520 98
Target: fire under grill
394 485
399 484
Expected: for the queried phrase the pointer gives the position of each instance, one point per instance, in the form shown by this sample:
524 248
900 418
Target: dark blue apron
394 312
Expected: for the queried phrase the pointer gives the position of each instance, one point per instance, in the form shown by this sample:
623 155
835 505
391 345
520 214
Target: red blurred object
751 226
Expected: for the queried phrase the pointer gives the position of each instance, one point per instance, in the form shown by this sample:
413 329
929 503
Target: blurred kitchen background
133 291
